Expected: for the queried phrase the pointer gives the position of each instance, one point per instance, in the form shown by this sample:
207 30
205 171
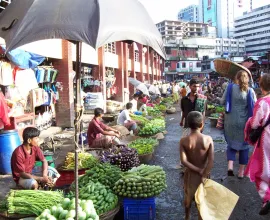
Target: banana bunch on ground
86 160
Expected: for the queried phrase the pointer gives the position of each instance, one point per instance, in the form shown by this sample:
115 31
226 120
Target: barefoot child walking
197 155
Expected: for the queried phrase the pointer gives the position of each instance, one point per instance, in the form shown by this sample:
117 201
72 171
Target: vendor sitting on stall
125 120
23 161
99 135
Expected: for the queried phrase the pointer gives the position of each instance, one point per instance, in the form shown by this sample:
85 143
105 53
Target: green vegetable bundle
153 111
141 182
168 100
153 127
66 210
86 160
105 173
220 109
161 107
139 118
210 107
144 145
104 199
28 202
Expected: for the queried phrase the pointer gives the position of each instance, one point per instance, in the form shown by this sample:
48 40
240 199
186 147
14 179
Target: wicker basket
171 110
145 158
229 69
110 215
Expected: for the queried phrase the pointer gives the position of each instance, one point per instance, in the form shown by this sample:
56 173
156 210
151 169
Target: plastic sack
215 201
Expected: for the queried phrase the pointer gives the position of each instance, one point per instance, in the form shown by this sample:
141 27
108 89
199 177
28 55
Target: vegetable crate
139 209
67 177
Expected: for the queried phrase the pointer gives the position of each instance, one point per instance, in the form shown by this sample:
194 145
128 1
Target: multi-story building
184 59
221 14
228 47
173 31
254 28
190 13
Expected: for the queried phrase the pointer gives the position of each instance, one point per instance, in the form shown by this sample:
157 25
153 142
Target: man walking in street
192 102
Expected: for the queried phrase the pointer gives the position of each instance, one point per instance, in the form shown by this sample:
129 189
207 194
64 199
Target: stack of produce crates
139 209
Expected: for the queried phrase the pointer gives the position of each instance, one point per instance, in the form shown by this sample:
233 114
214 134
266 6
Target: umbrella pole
78 111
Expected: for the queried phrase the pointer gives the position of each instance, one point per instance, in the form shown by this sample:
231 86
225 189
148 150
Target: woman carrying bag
257 133
239 100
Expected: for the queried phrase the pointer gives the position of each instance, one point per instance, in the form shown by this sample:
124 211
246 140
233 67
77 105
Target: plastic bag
215 201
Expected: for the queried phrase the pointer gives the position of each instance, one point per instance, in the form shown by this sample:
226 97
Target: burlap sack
122 129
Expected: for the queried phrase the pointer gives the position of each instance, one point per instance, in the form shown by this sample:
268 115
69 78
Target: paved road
169 203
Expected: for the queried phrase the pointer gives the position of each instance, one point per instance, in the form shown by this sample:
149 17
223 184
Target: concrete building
254 28
190 13
173 31
221 14
228 47
192 51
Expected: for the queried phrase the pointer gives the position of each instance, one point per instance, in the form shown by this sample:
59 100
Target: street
169 204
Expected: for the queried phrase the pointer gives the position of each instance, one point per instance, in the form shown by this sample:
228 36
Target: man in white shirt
125 120
164 89
154 90
134 102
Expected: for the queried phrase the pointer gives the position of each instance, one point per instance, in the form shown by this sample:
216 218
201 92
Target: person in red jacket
23 161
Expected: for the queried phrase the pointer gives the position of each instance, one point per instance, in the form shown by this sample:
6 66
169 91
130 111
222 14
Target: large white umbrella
95 22
139 85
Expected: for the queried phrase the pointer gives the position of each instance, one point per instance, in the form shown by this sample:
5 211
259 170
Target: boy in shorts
197 155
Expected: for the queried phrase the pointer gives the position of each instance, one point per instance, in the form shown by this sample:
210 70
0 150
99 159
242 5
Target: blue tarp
24 59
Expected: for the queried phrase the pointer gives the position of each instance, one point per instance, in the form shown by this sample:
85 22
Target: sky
161 10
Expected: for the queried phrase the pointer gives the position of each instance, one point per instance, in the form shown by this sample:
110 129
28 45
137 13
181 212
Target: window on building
136 56
184 65
110 48
209 4
168 63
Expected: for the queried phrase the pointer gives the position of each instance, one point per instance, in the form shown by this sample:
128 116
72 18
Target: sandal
230 173
265 209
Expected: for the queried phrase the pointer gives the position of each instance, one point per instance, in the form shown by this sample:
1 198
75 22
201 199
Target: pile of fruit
140 118
122 156
141 182
104 199
144 145
153 127
86 160
66 210
105 173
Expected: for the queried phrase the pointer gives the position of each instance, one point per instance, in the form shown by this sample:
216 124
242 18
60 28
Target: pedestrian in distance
258 168
197 155
192 102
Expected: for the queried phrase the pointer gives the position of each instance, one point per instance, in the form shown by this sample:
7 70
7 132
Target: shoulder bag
255 134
